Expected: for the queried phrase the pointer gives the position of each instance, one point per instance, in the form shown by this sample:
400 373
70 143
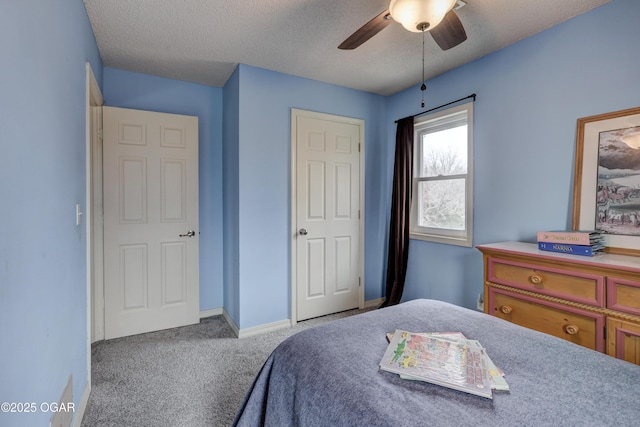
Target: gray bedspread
329 376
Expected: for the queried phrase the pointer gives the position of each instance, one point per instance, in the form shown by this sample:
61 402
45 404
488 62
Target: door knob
190 233
303 232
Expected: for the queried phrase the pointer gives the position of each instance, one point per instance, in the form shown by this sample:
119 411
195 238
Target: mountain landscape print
618 198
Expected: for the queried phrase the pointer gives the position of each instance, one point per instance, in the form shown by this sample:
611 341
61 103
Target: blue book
571 249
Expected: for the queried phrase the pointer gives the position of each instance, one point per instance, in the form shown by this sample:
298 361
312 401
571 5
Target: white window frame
439 235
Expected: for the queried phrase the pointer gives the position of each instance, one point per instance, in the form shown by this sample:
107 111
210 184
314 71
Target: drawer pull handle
506 309
571 329
535 279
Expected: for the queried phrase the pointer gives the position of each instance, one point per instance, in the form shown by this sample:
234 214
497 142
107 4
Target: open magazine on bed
446 359
496 375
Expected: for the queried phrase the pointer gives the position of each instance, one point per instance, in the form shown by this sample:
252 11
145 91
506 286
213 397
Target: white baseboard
256 330
269 327
261 329
230 321
79 414
212 312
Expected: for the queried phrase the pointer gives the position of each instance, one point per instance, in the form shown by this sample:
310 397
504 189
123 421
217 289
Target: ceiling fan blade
367 31
449 32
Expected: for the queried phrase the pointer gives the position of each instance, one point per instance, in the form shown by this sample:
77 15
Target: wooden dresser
591 301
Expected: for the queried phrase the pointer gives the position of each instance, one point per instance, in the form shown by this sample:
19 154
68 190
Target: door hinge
604 333
358 147
358 213
100 134
359 282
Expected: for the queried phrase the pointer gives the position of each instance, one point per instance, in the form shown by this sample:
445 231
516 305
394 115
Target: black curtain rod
473 95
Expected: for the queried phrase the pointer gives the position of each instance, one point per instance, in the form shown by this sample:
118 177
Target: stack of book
447 359
587 243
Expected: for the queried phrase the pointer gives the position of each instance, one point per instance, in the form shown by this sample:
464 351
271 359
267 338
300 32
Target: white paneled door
150 179
327 204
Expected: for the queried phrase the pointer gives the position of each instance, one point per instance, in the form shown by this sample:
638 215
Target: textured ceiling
202 41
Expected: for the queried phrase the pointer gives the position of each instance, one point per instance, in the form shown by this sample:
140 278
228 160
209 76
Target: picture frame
589 203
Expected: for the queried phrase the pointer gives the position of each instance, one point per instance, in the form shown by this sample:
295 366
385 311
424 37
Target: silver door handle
303 232
190 233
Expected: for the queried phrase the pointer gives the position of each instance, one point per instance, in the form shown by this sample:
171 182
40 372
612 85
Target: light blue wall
43 275
529 98
265 99
126 89
231 164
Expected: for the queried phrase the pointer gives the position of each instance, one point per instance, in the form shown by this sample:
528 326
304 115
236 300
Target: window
442 202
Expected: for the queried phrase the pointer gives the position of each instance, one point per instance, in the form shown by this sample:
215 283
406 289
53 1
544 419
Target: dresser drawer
578 326
623 295
623 340
575 286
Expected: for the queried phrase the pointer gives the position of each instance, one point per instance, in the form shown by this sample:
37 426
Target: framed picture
606 192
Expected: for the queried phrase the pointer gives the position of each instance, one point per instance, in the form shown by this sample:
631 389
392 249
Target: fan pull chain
423 87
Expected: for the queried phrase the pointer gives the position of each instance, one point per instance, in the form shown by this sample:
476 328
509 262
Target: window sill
457 241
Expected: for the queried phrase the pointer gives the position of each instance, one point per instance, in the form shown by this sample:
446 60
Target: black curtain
400 212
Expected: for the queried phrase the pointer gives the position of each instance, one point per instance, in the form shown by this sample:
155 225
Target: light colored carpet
191 376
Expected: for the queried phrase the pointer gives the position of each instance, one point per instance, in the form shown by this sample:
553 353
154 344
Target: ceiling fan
438 17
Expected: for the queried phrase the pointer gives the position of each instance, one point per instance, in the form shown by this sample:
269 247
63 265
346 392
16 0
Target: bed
329 376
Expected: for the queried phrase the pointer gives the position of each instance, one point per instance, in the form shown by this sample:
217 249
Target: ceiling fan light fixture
414 15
